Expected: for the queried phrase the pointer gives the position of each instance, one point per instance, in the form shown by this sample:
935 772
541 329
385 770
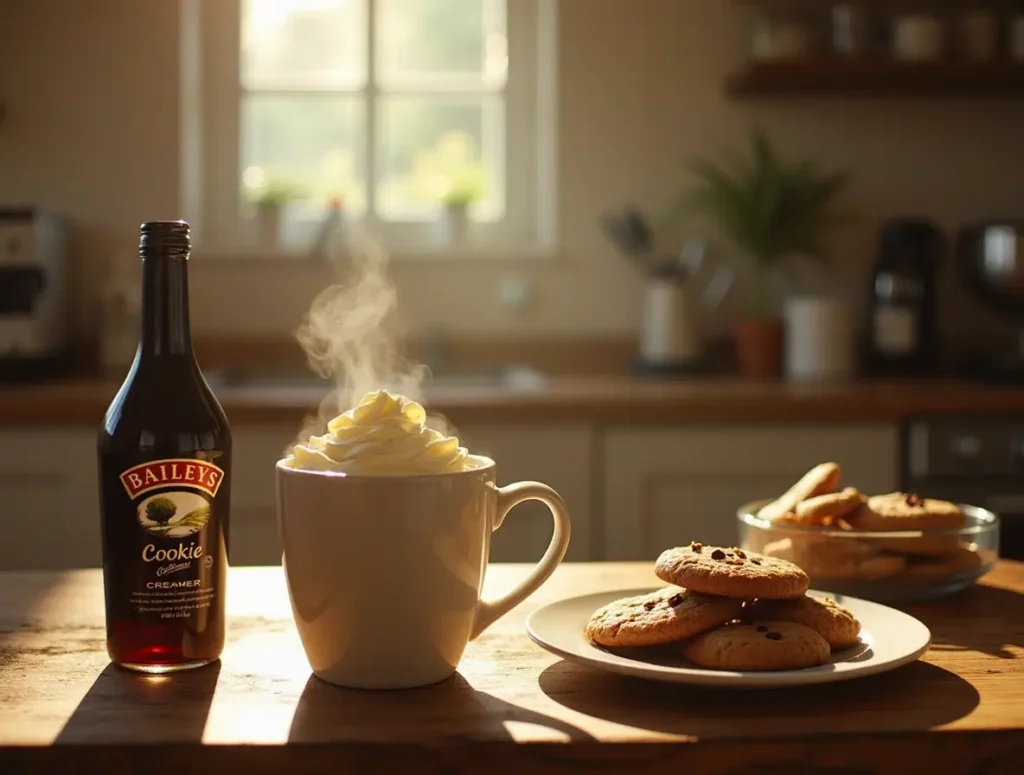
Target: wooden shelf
878 78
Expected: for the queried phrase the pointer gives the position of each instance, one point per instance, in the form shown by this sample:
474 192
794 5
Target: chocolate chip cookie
767 645
907 511
838 626
664 616
821 479
730 572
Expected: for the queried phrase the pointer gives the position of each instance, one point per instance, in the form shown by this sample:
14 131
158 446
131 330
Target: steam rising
352 334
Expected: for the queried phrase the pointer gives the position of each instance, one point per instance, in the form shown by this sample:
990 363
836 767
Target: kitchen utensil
670 338
990 262
628 231
901 331
889 639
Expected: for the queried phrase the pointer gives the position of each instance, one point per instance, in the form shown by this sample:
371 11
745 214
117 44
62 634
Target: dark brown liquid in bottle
164 467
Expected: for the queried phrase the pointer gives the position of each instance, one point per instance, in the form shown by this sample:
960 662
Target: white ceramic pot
819 342
452 227
268 226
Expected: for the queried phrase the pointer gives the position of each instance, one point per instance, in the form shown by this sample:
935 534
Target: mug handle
510 496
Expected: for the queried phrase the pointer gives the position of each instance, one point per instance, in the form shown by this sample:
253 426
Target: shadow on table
988 620
125 706
449 711
917 696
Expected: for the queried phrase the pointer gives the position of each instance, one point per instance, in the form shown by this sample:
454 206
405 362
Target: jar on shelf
978 33
851 29
1015 35
918 36
781 34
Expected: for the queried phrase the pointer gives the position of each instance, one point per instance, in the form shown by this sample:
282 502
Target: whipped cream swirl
383 434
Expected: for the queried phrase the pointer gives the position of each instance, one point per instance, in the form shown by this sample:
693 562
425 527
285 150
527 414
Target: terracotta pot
759 348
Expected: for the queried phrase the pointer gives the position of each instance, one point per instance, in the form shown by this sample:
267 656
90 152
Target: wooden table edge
938 751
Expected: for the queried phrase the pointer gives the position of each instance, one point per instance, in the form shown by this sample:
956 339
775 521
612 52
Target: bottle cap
168 238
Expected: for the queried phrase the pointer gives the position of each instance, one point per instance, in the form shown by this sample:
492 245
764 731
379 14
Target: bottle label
176 537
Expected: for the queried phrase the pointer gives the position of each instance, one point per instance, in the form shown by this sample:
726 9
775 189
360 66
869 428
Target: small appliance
990 262
901 336
977 460
33 309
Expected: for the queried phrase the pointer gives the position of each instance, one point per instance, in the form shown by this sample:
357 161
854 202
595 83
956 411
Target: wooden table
513 708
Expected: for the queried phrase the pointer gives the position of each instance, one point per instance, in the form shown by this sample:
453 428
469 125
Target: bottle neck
165 327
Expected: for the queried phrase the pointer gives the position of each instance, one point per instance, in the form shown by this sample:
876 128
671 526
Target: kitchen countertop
587 400
958 709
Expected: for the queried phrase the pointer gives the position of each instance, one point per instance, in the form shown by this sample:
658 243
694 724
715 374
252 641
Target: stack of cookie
729 610
841 554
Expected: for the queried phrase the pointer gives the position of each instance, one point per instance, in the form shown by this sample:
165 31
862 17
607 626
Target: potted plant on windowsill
269 201
772 213
454 220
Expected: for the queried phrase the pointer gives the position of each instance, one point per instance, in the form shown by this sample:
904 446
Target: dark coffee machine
901 337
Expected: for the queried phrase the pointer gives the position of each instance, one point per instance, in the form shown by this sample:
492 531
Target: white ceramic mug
385 572
819 339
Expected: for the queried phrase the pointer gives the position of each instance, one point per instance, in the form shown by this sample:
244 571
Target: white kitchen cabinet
631 491
667 486
557 455
256 449
50 500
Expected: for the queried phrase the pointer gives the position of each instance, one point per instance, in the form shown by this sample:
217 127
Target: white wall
91 88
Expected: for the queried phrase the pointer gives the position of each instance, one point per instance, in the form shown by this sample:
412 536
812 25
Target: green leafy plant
160 510
457 199
276 193
465 189
771 211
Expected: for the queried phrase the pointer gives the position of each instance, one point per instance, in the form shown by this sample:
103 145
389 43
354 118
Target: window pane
430 148
308 145
303 43
456 42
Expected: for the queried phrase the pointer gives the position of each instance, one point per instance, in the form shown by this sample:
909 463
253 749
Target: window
390 106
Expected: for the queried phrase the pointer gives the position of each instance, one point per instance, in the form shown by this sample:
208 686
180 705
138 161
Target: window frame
211 96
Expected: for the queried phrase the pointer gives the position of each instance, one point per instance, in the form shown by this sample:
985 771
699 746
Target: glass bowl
885 566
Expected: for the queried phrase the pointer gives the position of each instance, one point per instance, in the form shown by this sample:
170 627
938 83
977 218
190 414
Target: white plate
889 639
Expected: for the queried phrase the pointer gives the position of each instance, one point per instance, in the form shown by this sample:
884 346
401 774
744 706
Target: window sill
469 254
